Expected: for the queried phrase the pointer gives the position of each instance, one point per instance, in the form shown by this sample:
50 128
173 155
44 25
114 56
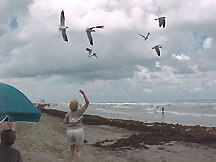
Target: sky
35 59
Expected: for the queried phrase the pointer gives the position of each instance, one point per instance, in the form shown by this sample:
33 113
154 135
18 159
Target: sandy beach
115 142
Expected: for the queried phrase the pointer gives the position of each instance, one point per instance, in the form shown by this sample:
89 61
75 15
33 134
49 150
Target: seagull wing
62 19
64 35
160 22
147 36
91 28
99 26
164 22
89 37
157 50
88 49
142 36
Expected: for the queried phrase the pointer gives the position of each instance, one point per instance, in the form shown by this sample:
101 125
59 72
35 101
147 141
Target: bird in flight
157 49
62 26
145 37
161 21
90 53
90 30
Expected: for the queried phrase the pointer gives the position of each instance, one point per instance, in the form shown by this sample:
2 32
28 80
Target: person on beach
11 126
75 131
162 110
7 152
7 125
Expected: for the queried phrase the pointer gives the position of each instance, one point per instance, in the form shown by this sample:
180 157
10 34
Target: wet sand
115 141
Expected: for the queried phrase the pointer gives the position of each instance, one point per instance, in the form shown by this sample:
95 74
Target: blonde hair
74 104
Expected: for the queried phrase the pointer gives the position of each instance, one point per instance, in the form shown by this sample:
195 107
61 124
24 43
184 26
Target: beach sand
46 142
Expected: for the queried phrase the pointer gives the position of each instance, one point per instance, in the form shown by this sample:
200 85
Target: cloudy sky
35 59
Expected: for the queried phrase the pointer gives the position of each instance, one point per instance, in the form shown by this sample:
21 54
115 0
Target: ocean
201 112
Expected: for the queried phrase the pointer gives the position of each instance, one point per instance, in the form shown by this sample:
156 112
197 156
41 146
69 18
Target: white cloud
195 68
81 14
167 74
197 89
181 57
207 43
157 64
147 90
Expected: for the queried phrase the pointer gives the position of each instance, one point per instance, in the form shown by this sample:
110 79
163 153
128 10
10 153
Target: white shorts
75 135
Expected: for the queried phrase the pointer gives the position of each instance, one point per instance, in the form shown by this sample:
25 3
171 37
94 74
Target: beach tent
15 106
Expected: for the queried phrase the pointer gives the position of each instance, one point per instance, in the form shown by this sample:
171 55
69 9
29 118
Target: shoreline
145 133
149 113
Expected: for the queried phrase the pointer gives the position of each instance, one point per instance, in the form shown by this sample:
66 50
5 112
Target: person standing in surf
162 111
75 131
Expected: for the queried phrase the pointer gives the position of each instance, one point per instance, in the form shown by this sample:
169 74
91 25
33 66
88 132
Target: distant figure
162 110
8 153
75 131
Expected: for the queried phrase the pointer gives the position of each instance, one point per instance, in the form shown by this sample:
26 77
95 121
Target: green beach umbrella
15 106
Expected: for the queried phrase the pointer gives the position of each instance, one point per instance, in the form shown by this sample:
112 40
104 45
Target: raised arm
85 98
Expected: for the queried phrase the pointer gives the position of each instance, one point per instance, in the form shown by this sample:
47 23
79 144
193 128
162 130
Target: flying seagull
145 37
90 30
90 53
62 26
161 21
157 49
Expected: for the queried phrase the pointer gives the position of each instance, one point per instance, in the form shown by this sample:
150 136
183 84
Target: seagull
145 37
90 30
161 21
62 26
90 53
157 49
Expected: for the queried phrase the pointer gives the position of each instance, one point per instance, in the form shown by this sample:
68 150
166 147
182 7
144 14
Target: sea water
201 112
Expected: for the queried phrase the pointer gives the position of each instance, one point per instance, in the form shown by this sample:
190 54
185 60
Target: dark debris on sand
147 133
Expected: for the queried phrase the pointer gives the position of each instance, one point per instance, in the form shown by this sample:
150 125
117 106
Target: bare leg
71 152
77 152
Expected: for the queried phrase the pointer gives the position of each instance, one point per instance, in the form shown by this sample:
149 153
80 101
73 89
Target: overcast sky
35 59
